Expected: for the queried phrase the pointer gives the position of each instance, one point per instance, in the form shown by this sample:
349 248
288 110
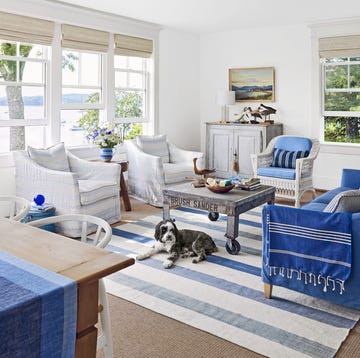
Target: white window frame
317 124
101 87
324 113
46 84
67 13
146 85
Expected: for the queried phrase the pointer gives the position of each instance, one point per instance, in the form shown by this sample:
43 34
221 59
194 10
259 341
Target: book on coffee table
246 183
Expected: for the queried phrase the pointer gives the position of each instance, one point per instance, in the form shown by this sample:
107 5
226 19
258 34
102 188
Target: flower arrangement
104 137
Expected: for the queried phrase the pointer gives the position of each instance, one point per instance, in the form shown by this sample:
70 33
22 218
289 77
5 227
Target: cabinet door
220 149
247 142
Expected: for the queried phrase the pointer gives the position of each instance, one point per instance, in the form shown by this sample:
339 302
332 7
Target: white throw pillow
347 201
154 145
54 157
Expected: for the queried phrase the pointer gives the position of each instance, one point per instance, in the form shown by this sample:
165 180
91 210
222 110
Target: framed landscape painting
253 84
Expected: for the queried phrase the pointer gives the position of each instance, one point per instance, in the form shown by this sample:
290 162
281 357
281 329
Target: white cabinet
223 141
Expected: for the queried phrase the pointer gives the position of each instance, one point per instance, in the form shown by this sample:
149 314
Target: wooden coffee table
232 204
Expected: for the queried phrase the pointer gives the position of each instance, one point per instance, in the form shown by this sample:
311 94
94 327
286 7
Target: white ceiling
205 16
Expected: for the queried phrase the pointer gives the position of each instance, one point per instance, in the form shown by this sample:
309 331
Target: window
23 100
97 79
131 95
341 99
340 65
82 94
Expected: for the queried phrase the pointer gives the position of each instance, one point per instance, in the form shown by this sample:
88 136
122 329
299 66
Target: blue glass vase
106 154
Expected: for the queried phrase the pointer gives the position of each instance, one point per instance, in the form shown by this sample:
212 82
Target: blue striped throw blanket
312 248
37 311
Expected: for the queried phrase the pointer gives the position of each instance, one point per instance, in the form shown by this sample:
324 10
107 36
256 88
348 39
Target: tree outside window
22 87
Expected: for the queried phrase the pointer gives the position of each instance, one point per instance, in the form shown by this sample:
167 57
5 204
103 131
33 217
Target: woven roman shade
341 46
132 46
26 29
81 38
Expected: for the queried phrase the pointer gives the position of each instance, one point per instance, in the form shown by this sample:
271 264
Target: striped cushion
348 201
54 158
154 145
92 191
285 159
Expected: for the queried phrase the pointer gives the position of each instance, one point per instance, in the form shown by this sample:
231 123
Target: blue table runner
38 311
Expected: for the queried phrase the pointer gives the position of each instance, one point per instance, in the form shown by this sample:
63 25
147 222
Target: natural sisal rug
224 295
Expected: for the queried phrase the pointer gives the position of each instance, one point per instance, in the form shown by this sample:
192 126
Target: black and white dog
178 243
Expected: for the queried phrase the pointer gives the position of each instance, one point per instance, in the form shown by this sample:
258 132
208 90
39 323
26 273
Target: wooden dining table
83 263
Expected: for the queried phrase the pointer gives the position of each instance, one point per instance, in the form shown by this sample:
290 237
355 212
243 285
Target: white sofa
154 163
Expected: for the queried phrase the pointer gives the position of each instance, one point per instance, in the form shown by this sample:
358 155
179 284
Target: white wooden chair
291 182
100 238
14 207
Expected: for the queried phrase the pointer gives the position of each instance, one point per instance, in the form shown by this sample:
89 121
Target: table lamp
225 98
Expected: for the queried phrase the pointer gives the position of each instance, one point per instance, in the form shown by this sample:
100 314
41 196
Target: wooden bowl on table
219 189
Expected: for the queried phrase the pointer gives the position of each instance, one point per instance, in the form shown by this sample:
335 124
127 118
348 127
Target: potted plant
106 139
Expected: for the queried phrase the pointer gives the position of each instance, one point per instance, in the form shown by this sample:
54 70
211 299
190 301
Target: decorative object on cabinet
223 140
223 99
266 111
244 116
262 112
253 84
255 114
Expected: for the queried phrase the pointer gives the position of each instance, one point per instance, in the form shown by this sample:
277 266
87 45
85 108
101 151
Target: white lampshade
225 98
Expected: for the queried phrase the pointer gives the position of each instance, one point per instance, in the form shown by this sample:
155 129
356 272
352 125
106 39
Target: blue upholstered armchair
287 164
315 249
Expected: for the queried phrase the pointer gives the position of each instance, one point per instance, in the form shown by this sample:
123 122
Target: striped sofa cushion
54 157
347 201
91 191
154 145
285 159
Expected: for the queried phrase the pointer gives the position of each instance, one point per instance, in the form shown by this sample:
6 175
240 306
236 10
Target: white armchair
71 184
154 163
290 176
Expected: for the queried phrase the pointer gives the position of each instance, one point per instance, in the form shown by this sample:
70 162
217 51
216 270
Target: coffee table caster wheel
213 216
232 247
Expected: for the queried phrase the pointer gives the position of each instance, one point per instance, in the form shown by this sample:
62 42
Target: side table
123 189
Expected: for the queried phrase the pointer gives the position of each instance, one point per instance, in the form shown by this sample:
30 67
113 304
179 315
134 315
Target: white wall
289 50
286 49
179 111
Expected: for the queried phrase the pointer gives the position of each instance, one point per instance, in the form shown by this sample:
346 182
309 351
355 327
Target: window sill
340 148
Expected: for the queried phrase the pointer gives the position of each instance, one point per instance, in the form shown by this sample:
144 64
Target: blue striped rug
224 295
